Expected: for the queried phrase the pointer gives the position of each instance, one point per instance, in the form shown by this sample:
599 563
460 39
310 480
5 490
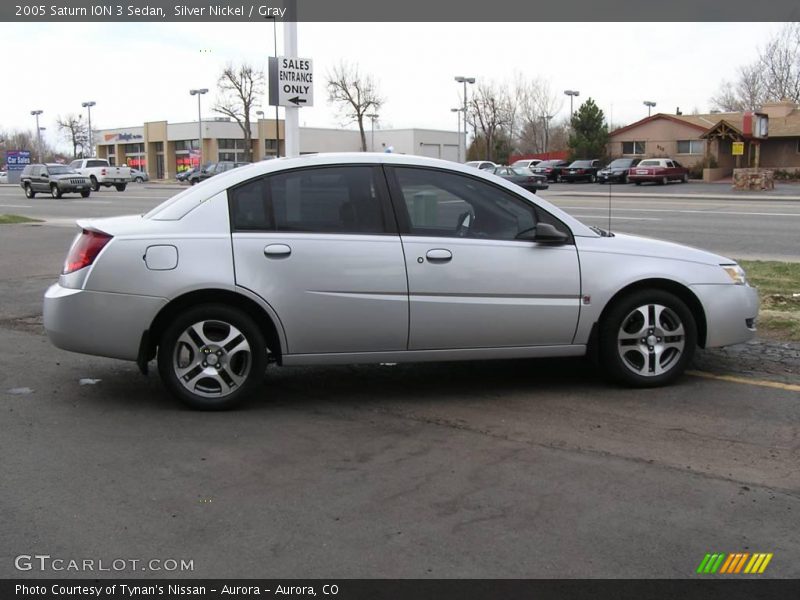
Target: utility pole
465 81
292 119
372 117
36 114
88 106
458 121
198 93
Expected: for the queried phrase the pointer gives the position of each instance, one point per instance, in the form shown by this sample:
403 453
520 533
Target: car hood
61 176
633 245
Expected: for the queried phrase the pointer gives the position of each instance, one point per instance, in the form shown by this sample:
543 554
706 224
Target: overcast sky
139 72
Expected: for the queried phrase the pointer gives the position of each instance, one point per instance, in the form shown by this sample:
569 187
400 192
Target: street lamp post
36 114
372 118
198 93
458 121
649 104
465 81
572 95
88 106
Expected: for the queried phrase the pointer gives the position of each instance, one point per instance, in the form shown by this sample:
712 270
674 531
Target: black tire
638 182
621 327
85 194
120 187
95 183
29 193
625 179
592 178
664 180
193 181
685 178
139 180
558 179
207 392
55 192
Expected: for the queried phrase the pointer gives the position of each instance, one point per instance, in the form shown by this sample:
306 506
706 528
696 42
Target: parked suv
54 179
213 169
372 258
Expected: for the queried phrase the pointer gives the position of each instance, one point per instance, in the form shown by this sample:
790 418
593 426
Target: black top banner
405 11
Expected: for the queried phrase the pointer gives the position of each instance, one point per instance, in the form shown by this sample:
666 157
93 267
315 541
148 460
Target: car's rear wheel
558 179
212 357
139 180
120 186
647 339
54 191
95 183
625 178
29 193
592 178
638 182
664 181
685 178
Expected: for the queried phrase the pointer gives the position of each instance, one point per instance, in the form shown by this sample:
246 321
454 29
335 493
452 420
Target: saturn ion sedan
373 258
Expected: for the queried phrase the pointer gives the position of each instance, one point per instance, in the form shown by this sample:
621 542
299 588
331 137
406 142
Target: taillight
548 170
102 171
84 250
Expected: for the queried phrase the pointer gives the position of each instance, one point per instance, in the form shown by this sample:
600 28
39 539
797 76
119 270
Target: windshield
60 170
520 171
620 163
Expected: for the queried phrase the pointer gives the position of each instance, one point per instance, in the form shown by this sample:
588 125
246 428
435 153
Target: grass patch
779 288
12 219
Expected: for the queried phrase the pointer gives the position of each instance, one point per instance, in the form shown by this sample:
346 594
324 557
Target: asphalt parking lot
534 468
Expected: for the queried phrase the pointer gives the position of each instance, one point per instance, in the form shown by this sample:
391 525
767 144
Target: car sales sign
18 159
291 81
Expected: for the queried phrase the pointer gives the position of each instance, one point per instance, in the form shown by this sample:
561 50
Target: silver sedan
368 258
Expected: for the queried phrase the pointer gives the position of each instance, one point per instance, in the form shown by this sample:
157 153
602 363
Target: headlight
736 273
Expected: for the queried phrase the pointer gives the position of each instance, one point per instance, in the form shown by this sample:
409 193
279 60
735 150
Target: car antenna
610 183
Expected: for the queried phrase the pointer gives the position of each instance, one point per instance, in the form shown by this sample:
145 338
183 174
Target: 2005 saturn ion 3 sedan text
349 258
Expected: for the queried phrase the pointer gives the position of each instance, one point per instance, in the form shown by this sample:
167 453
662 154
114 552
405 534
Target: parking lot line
15 206
735 379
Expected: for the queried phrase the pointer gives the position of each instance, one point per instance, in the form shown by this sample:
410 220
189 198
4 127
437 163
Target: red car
658 170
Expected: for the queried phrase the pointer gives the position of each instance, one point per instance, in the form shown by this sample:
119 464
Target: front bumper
731 312
98 323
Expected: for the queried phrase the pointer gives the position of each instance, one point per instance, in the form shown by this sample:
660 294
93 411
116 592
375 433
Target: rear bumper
98 323
731 312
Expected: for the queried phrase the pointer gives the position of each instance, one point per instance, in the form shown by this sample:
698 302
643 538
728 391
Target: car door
472 283
38 181
320 245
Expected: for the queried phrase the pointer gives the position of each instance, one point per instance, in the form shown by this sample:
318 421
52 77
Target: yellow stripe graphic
728 562
765 563
754 562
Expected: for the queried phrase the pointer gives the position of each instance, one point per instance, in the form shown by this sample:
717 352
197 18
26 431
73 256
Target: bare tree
488 113
538 103
240 89
775 75
355 94
75 131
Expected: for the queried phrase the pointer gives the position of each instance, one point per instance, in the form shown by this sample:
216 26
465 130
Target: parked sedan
551 169
3 177
581 170
658 170
523 177
616 170
526 162
485 165
374 258
139 176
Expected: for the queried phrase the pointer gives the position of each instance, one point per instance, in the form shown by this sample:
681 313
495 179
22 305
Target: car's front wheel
212 357
54 191
647 338
29 193
85 193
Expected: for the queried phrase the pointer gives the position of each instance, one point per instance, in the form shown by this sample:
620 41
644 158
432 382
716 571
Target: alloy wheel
651 340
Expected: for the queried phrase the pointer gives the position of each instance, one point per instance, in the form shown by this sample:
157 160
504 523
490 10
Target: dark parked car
581 170
213 169
551 169
54 179
617 170
658 170
184 175
523 177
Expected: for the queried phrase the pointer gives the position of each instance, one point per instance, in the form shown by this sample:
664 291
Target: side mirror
544 233
45 176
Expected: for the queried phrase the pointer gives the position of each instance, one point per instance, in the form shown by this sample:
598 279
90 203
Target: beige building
165 149
690 138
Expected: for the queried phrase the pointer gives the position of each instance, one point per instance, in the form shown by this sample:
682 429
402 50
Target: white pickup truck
101 174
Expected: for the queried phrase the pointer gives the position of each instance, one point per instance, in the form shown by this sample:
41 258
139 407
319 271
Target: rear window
96 163
321 200
620 163
582 163
650 163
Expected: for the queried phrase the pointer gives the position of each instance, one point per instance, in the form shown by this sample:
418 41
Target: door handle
439 255
277 251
